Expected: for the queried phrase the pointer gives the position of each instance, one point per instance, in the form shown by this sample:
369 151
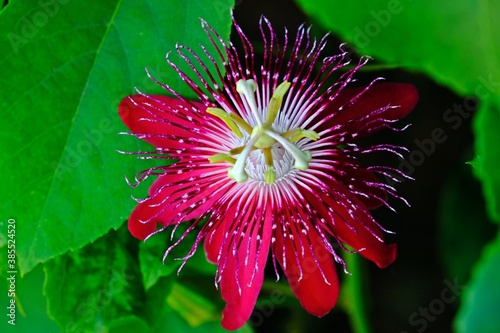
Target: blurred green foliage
63 76
455 43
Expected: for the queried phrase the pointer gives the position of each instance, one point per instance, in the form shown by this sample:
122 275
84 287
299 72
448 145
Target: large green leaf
193 307
150 258
464 226
487 129
130 324
151 253
456 43
479 310
65 67
31 309
90 288
173 322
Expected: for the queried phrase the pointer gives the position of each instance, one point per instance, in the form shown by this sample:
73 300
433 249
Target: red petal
358 231
137 229
355 178
214 240
159 115
358 178
316 295
242 263
378 96
173 199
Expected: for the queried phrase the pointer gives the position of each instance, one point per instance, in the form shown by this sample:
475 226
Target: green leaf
65 67
150 258
194 308
462 203
173 322
479 308
415 35
152 250
156 298
461 52
31 314
130 324
487 130
90 288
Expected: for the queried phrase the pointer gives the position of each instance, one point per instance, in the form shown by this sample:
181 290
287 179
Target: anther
275 102
296 134
221 158
226 118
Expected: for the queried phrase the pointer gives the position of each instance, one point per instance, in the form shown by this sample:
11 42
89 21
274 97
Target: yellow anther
236 151
305 134
296 134
221 158
270 175
291 133
275 102
226 118
243 124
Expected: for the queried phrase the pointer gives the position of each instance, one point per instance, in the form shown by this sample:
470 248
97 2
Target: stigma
263 136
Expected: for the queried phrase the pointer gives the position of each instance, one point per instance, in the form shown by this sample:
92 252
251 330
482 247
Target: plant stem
354 300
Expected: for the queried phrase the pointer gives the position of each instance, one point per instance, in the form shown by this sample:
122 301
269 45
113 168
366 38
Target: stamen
247 88
224 116
236 151
243 124
302 158
275 102
262 136
296 134
291 133
221 158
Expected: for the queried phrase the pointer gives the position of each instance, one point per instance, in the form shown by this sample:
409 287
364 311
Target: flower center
263 136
